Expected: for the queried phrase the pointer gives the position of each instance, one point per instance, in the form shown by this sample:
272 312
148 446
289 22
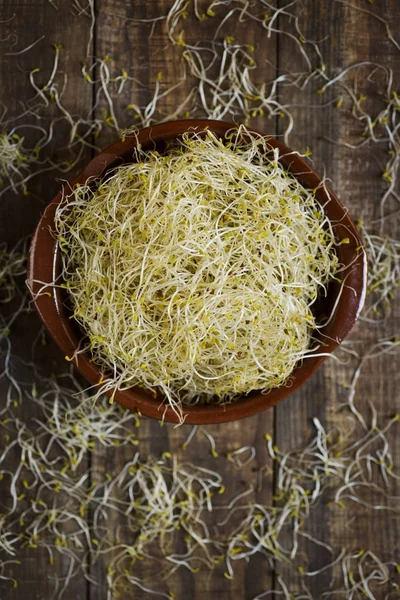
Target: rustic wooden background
347 36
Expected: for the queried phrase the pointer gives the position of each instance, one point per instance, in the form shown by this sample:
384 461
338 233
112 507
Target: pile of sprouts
195 272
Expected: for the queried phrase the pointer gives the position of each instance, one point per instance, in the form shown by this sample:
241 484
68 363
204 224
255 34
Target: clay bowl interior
346 301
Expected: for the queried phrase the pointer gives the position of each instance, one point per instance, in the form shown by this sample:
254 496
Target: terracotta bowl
45 266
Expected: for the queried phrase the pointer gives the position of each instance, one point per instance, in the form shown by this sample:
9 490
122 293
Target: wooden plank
22 27
22 24
356 178
130 46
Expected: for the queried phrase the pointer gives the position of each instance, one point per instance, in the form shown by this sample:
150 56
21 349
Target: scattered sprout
384 271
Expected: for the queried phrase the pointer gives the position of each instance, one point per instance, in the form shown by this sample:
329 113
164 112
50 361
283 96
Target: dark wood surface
355 176
347 36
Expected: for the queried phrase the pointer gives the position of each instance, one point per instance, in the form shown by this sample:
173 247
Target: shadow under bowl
344 300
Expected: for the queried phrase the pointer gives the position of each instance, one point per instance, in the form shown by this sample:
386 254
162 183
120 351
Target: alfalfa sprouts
384 271
357 573
193 280
332 468
14 160
50 454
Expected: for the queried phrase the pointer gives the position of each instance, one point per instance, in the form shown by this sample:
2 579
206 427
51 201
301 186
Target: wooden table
347 36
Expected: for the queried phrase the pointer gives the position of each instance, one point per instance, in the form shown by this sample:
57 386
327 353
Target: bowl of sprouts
197 271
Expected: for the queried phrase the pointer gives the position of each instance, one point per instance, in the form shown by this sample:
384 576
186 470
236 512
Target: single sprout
194 280
210 438
235 456
189 438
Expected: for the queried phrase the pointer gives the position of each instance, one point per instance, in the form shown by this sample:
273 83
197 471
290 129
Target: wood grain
355 177
23 23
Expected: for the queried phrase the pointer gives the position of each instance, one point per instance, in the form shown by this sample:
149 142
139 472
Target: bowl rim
44 267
